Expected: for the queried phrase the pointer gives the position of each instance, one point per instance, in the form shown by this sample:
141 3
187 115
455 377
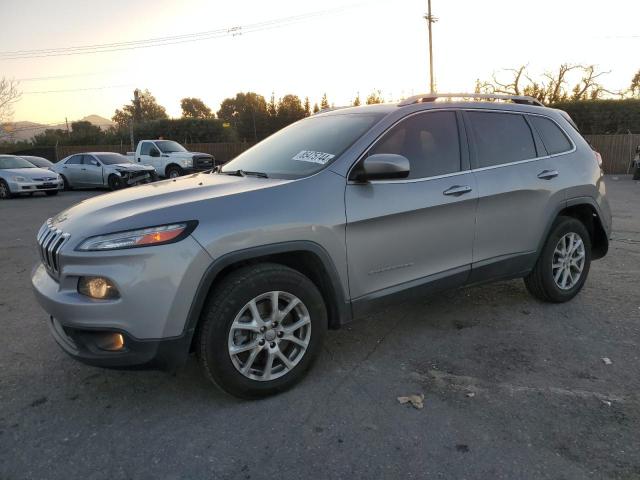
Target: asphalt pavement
514 388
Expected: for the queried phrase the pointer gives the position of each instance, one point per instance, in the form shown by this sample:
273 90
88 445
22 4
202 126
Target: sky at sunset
355 46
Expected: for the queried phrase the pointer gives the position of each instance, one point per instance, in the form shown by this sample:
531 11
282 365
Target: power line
169 40
71 75
79 89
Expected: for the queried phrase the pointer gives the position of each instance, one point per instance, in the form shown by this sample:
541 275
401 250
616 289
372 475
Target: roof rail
431 97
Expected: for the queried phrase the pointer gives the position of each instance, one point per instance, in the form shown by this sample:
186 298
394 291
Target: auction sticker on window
313 157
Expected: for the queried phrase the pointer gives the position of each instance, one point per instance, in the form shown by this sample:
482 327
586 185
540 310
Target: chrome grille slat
50 241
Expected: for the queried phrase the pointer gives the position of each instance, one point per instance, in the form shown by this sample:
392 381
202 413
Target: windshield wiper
245 173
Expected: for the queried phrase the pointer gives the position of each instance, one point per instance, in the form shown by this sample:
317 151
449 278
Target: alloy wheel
269 336
568 261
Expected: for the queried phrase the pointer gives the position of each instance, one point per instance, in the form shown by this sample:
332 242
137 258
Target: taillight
598 159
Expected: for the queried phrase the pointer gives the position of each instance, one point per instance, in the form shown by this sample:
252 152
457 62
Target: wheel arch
168 166
585 210
307 257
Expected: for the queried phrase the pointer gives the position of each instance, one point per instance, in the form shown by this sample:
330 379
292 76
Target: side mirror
383 166
154 153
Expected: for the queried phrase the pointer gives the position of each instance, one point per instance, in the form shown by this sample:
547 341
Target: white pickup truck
170 159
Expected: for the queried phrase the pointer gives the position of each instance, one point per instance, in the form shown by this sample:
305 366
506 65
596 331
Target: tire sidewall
214 342
560 229
8 194
114 182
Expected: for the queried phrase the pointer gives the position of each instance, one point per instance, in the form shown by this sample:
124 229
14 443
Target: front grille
50 241
44 179
203 162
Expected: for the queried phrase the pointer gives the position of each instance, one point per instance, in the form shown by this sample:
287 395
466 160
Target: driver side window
90 160
146 148
429 141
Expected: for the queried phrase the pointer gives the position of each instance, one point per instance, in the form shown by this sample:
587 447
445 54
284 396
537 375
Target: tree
550 87
634 89
9 95
85 133
143 108
324 103
316 108
375 97
247 112
307 107
194 108
290 110
356 101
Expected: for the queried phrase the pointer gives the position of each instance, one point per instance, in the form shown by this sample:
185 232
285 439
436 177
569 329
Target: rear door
517 188
416 231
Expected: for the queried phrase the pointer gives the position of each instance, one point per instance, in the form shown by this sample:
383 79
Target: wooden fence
223 152
617 150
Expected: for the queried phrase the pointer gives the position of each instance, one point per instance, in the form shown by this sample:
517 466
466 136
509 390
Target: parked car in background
38 161
18 176
331 218
102 169
170 159
635 167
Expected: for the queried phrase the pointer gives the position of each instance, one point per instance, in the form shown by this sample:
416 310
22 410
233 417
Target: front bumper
30 187
157 285
84 346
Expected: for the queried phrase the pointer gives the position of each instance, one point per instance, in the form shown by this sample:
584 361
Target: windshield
39 162
305 147
112 158
169 146
14 162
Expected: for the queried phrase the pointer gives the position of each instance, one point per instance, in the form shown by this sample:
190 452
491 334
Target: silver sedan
102 169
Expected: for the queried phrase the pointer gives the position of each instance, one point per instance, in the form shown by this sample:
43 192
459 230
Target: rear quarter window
501 138
553 138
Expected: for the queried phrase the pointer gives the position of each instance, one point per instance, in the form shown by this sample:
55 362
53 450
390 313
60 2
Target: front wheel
564 262
115 182
261 330
5 191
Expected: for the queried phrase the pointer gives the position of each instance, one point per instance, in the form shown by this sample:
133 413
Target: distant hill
26 130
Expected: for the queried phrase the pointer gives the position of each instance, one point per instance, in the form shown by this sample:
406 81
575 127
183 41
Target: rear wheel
261 330
564 262
174 171
5 192
115 182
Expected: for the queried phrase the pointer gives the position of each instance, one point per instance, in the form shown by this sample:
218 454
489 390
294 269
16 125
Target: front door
417 231
92 171
72 170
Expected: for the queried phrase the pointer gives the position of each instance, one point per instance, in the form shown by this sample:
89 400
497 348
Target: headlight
19 179
143 237
187 162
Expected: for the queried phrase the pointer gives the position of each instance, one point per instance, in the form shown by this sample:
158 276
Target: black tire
228 299
67 185
5 192
540 282
115 182
174 171
51 193
636 173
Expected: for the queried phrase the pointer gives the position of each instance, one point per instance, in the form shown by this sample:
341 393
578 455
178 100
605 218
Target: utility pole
430 20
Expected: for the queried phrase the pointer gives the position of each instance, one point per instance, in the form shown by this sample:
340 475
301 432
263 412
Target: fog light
110 341
97 287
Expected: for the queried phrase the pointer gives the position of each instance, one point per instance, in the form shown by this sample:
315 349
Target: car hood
130 167
30 173
154 203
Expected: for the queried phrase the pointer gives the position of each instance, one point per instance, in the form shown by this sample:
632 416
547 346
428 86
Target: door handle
548 174
457 190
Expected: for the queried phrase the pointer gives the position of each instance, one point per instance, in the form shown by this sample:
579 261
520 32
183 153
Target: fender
342 305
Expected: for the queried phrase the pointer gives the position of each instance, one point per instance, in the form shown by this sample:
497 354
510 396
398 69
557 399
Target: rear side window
554 139
430 141
75 160
501 138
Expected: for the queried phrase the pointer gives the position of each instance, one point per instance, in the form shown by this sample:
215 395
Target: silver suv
331 218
